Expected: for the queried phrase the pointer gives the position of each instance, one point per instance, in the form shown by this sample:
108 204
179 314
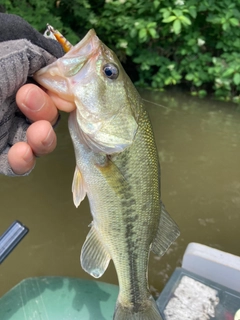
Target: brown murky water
199 149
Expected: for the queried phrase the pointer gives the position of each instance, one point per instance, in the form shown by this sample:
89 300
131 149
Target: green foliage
187 42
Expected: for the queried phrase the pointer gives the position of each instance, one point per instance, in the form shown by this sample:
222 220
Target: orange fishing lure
52 33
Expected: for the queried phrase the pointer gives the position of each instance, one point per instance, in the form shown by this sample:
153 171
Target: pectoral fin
167 233
114 177
94 257
78 188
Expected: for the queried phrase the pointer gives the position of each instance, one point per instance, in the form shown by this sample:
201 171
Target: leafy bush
192 43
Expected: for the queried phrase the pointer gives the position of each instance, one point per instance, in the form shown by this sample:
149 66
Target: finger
61 104
21 158
36 104
41 137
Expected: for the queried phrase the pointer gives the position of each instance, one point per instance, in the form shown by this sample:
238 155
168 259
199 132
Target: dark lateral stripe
130 218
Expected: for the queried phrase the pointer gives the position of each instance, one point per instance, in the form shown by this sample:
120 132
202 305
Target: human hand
41 109
20 141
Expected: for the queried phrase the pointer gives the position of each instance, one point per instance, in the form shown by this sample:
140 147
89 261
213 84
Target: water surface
199 150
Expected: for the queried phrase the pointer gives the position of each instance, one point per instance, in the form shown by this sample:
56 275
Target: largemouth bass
117 167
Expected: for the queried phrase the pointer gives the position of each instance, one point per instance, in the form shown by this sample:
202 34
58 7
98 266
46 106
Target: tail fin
149 313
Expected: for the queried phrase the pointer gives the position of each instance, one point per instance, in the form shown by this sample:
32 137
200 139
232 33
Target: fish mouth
76 64
59 76
88 46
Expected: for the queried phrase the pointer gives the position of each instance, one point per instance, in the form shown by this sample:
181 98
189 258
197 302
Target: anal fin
167 233
94 257
78 189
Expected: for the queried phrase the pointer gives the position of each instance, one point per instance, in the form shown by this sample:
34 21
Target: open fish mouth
77 57
70 64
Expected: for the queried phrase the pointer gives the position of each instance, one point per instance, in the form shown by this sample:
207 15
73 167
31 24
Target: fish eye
111 70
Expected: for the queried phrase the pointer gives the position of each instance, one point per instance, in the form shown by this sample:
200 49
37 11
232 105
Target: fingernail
34 100
48 141
28 156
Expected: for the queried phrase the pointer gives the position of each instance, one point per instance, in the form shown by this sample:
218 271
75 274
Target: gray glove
23 51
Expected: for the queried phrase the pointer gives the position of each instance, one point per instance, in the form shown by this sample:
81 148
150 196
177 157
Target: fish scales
135 220
117 167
